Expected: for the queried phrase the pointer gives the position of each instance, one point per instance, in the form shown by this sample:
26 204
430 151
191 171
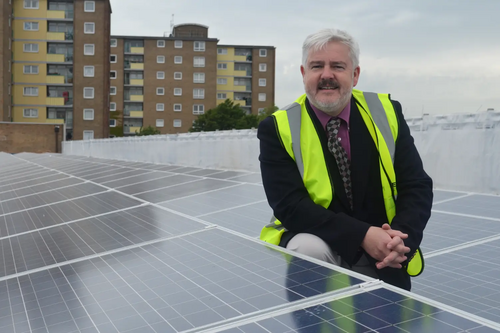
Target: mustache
330 83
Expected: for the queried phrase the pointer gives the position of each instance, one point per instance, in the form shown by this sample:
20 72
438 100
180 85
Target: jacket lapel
362 148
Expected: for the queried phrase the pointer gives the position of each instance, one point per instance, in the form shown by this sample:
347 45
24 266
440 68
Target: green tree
267 112
150 130
225 116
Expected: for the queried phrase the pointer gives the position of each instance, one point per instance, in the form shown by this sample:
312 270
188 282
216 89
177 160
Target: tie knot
333 125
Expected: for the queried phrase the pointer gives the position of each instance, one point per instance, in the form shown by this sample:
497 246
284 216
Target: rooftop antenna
172 25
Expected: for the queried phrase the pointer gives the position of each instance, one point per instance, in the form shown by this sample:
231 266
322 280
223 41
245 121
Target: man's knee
313 246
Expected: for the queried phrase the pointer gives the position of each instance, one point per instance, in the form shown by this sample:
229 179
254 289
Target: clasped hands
386 246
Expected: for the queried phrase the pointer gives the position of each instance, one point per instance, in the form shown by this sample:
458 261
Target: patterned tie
343 162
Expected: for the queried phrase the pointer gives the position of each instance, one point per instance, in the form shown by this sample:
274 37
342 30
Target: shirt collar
325 118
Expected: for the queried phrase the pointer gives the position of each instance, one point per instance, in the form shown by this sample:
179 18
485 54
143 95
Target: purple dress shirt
344 125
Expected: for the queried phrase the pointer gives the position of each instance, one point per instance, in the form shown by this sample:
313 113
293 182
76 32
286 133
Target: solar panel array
94 245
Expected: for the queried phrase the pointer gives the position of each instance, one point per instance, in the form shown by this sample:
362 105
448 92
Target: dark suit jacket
342 229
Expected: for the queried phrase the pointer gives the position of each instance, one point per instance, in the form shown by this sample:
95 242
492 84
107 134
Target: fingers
394 260
393 233
397 244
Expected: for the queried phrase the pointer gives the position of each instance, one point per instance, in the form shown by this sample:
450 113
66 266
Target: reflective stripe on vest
301 141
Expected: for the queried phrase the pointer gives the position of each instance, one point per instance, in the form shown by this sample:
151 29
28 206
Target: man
341 171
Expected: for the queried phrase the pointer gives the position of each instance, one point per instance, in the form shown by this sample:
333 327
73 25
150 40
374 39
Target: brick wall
33 138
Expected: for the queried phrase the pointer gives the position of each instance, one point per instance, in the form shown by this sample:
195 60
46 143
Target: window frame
158 75
179 78
222 66
31 2
179 105
31 44
262 99
111 72
158 59
86 118
176 58
31 95
222 49
85 7
162 107
262 67
89 89
90 24
88 132
85 49
199 48
111 90
30 116
201 96
261 54
162 122
222 94
160 91
179 91
263 81
112 120
158 43
31 29
200 74
31 72
222 78
116 58
85 69
115 44
198 112
177 121
112 108
197 63
176 42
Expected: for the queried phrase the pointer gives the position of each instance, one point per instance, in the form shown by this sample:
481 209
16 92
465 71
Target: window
160 59
160 43
262 82
221 51
199 62
178 60
112 123
199 78
160 122
198 93
88 135
112 106
177 107
30 69
30 113
198 109
31 4
160 107
261 110
199 46
88 49
30 47
262 67
30 91
221 81
113 42
221 96
113 58
178 44
89 28
88 93
88 114
112 90
112 75
160 75
177 91
177 123
160 91
177 76
88 71
33 26
221 65
262 53
89 6
262 97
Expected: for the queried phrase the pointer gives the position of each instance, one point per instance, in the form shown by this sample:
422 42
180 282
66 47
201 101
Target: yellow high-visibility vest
302 143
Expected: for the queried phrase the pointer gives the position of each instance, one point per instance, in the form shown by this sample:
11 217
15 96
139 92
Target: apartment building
166 82
5 59
59 64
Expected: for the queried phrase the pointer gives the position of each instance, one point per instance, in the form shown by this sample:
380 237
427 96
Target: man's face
329 78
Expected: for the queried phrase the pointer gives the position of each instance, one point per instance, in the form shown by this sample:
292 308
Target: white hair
319 40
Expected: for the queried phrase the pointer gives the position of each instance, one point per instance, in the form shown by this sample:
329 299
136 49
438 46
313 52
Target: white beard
331 108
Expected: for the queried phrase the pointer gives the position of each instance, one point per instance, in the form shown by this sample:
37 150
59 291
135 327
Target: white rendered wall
460 152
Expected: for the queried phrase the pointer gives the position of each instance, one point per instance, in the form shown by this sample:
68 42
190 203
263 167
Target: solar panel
113 246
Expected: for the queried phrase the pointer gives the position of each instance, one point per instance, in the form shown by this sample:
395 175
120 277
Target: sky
435 57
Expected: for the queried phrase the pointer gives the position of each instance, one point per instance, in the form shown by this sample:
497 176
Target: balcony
67 14
134 98
131 129
135 114
242 88
56 57
59 36
56 79
54 121
136 50
135 82
242 73
59 101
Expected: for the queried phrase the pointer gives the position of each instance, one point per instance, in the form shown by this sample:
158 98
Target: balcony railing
61 14
134 98
59 79
55 35
57 57
135 82
59 101
134 65
131 129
